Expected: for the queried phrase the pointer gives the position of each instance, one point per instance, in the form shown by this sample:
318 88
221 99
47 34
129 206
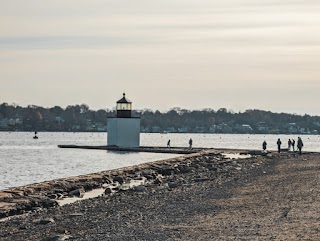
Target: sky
235 54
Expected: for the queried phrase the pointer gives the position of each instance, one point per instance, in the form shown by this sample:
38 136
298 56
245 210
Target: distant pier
152 149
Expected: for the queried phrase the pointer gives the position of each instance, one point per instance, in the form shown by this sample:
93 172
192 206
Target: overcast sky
237 54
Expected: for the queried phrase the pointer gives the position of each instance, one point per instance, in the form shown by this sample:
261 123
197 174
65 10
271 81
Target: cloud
193 46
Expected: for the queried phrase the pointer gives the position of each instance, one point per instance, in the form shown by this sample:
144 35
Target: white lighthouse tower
124 130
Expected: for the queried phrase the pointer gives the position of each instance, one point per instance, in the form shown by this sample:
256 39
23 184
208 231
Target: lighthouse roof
124 99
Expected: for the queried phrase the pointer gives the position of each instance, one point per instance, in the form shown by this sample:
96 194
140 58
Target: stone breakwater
199 167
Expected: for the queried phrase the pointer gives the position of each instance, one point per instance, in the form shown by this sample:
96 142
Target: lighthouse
124 129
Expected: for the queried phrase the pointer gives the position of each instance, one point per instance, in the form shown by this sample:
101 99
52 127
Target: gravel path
262 198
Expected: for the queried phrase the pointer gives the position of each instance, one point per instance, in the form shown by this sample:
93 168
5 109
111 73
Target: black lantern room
124 107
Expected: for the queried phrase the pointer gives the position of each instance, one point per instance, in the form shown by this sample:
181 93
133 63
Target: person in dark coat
289 145
293 143
279 145
264 146
168 144
190 143
300 145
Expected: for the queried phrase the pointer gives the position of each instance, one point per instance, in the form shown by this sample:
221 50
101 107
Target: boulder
118 179
106 179
77 193
108 191
4 195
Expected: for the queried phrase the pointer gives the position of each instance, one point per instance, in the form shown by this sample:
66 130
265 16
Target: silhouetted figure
35 135
279 145
168 144
264 146
293 143
289 144
300 145
190 143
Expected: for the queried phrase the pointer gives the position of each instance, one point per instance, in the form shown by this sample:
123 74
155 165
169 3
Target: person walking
279 145
168 144
293 143
289 145
264 146
190 143
300 145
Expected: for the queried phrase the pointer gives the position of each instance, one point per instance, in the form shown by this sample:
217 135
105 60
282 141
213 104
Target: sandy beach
196 197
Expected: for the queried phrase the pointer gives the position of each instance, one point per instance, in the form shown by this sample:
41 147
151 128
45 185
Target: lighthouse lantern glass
124 106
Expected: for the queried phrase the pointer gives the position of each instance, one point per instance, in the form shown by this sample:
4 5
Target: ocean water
24 160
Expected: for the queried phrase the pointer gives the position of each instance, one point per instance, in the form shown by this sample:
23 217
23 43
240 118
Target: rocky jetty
201 166
203 196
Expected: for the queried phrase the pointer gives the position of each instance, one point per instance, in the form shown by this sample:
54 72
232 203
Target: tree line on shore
82 118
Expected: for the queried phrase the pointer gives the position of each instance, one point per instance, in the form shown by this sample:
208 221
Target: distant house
224 128
292 128
244 128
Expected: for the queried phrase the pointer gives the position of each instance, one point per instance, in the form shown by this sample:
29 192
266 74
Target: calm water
24 160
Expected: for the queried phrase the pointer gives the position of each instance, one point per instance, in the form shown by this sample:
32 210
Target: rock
195 165
184 169
124 188
60 195
76 214
157 181
108 191
201 179
15 193
212 168
172 184
91 185
106 179
45 221
118 179
166 171
53 196
59 238
77 193
96 178
4 195
149 177
140 188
